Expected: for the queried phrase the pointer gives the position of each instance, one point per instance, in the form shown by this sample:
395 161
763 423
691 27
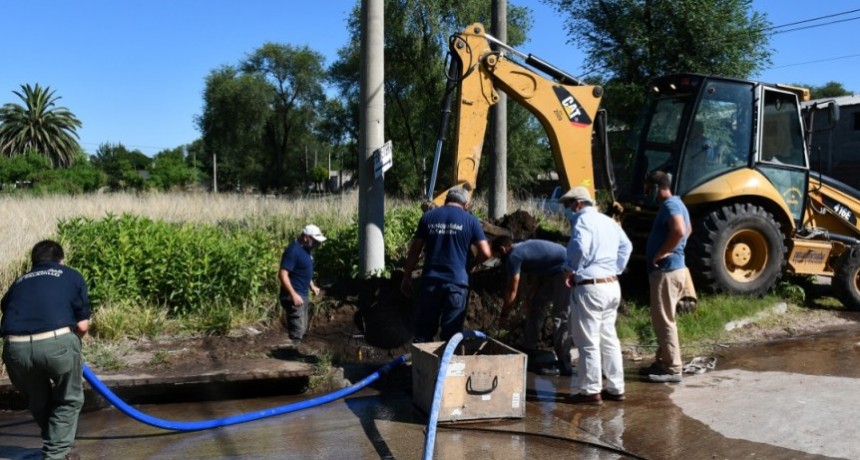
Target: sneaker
654 368
581 398
73 455
612 396
664 377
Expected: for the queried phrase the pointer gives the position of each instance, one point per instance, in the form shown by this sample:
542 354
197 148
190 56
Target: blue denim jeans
442 304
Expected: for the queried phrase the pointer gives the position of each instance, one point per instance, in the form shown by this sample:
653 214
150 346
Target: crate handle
473 391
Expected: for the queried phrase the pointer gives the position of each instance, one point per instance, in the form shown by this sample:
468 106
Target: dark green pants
49 374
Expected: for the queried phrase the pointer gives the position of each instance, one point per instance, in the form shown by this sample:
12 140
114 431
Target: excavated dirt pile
386 317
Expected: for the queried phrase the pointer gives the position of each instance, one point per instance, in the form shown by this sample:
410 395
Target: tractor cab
700 129
736 154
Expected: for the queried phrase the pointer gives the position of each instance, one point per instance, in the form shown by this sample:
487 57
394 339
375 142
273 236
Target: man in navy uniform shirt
296 279
445 235
45 313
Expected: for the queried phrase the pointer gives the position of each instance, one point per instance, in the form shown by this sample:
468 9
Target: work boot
582 398
612 396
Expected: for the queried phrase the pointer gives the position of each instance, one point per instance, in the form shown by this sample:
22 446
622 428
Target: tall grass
29 219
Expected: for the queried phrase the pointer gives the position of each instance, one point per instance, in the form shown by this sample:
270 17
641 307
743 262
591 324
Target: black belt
610 279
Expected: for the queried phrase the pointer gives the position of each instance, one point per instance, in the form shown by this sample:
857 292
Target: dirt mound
385 316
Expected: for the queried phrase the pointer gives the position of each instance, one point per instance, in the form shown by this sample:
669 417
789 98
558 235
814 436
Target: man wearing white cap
296 277
597 253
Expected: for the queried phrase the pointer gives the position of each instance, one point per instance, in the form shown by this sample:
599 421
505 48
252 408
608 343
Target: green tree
170 170
416 42
39 125
829 89
124 169
628 42
296 75
259 117
19 169
235 113
318 175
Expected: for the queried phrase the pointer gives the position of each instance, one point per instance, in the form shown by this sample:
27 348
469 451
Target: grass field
29 219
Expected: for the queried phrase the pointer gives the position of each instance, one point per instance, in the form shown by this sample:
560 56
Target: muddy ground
372 321
337 334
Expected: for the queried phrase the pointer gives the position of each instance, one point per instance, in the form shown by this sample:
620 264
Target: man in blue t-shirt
45 313
543 263
296 279
667 275
445 235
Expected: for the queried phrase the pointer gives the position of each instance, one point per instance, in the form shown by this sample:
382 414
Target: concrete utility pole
371 193
497 202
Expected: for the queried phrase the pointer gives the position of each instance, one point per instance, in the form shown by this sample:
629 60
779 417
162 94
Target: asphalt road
785 400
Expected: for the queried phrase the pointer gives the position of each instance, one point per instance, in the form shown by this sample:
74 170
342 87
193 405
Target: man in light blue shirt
597 253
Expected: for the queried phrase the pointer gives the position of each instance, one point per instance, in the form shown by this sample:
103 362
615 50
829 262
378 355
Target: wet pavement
793 399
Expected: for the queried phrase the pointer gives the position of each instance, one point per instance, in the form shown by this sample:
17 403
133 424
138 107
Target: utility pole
371 193
497 202
214 173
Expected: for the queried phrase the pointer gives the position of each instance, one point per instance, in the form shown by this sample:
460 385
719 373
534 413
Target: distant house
836 152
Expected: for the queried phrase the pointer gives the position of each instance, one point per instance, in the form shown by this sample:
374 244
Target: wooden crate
485 380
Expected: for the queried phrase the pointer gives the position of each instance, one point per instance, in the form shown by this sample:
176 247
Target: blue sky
133 71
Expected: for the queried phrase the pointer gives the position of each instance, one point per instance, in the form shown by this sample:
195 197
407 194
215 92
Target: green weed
107 355
702 328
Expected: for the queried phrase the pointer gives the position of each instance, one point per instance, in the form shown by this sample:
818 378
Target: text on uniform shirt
445 228
49 272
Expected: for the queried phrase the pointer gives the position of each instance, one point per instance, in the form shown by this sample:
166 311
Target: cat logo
572 108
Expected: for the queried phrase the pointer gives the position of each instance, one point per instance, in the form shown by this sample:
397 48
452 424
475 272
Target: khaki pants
667 288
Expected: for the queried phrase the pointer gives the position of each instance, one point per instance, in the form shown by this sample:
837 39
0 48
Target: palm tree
39 126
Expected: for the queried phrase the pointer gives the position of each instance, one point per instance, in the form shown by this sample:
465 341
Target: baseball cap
314 232
578 193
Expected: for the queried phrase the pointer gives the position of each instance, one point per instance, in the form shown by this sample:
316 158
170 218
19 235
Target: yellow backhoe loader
737 151
757 208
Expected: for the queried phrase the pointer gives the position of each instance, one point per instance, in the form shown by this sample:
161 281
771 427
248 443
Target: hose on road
174 425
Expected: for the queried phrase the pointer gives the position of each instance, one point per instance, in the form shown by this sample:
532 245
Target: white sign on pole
382 160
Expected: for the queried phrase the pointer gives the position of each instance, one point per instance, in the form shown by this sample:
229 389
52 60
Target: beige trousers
667 288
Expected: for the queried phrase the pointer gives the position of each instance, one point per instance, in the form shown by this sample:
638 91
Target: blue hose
430 442
234 419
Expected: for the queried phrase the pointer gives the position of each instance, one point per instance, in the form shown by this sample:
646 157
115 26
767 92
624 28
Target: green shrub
185 267
338 257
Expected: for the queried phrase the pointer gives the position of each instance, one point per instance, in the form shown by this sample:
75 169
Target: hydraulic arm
566 108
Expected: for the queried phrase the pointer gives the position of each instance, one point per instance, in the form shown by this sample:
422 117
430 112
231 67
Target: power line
817 61
810 20
816 25
804 21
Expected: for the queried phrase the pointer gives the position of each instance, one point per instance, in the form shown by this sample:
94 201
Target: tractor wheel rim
856 280
746 255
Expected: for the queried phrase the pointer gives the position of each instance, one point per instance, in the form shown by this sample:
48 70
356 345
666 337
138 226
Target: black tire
737 249
846 280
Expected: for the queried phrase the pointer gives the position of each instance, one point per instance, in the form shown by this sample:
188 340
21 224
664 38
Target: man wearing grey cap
445 235
296 279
